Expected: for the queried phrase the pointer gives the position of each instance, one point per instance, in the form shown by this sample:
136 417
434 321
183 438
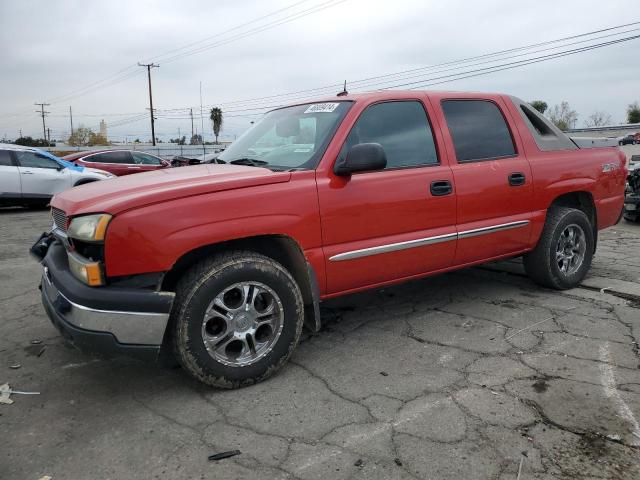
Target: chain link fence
166 151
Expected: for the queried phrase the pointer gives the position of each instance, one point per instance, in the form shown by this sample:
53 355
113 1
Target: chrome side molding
491 229
419 242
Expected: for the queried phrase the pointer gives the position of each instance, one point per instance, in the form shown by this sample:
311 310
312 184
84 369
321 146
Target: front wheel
237 318
564 252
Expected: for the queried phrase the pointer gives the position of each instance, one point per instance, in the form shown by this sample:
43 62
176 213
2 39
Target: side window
144 159
110 157
97 158
5 159
35 160
403 130
478 129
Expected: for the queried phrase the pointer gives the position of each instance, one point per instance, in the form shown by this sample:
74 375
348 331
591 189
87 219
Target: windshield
288 138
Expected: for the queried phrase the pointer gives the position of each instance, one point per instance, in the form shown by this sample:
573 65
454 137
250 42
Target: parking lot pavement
474 374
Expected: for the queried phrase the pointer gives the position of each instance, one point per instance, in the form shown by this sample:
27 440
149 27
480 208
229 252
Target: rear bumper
105 320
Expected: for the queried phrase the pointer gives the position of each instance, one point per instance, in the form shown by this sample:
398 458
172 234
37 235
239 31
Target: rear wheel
237 319
564 252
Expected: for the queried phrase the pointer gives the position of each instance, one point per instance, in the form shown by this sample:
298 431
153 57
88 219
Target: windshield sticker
302 150
322 108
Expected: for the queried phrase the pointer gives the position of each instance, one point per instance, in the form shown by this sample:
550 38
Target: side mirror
60 168
363 157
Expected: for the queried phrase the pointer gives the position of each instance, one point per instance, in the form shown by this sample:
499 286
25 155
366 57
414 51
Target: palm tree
216 118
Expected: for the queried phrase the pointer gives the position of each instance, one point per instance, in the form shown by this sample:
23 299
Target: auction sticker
322 108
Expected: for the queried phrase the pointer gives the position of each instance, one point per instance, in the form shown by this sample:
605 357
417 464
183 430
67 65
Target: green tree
539 105
633 113
196 140
97 139
563 116
216 119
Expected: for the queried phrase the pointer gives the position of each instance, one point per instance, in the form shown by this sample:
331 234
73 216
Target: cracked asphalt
475 374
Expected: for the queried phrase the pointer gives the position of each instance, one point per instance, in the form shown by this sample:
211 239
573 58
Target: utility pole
149 66
191 114
202 121
43 113
71 119
48 135
20 133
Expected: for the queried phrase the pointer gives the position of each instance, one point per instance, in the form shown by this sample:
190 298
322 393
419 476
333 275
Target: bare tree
563 116
81 136
598 119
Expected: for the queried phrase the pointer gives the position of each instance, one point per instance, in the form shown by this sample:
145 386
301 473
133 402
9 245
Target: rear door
145 162
41 177
492 178
10 188
116 162
395 223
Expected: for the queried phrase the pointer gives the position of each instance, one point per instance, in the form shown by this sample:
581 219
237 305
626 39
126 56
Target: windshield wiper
249 161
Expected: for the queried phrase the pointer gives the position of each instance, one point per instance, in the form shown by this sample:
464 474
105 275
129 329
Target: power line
327 88
237 27
262 28
129 71
425 81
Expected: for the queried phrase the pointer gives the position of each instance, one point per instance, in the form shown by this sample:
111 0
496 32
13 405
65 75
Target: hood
140 189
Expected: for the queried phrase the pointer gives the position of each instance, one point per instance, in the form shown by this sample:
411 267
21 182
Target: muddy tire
564 252
236 319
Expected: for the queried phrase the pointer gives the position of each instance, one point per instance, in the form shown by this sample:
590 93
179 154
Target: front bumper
106 320
632 205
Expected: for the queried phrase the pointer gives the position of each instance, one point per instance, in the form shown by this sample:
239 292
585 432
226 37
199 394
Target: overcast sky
51 49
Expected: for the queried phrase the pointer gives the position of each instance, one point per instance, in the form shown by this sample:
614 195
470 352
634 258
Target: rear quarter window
547 136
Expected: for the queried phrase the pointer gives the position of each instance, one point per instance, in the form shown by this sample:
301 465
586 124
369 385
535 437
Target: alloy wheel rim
571 249
242 323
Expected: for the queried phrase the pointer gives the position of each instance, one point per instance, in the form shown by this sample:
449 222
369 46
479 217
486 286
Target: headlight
89 228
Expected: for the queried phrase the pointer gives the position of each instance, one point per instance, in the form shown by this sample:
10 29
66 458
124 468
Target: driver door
41 177
390 224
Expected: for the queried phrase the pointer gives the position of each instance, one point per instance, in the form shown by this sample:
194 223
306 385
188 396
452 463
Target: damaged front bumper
106 320
632 206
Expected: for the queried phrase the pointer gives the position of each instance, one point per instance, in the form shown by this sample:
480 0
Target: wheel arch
282 248
583 201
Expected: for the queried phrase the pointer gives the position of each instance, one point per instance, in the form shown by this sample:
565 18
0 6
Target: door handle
516 179
441 187
27 173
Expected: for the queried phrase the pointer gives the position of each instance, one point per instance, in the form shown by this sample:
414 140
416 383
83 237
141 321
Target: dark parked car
628 140
118 162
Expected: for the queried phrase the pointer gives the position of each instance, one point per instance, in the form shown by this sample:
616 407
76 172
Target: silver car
30 176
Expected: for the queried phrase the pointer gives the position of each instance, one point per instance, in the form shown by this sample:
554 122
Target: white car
30 176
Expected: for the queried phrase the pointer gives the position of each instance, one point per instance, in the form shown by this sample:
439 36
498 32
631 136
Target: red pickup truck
222 264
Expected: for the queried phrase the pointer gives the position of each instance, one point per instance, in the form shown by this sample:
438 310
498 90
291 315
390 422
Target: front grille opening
59 219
